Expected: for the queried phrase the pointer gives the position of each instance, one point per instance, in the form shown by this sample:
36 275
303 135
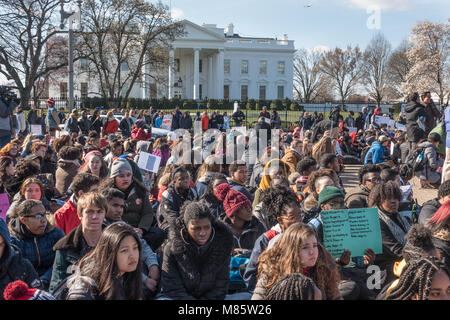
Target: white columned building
215 63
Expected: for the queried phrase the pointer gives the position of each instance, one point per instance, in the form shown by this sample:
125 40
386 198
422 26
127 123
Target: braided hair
293 286
276 199
418 243
416 279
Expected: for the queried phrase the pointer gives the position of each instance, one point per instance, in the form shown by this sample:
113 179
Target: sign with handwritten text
352 229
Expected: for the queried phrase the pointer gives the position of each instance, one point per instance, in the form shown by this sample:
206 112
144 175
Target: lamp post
69 16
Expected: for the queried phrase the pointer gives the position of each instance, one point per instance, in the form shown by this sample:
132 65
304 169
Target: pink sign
4 205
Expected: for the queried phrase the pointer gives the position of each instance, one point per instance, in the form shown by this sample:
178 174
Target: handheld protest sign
167 122
149 162
351 229
267 120
36 129
4 205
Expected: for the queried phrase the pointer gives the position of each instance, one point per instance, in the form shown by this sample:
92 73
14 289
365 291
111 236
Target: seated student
425 278
35 237
440 227
265 216
353 271
204 173
238 209
281 202
430 207
294 286
111 271
91 209
209 198
68 164
116 151
13 266
429 176
298 251
293 154
305 167
375 155
23 170
173 198
197 257
238 173
369 176
94 164
19 290
139 213
116 205
66 217
273 168
31 189
386 197
419 244
389 174
331 161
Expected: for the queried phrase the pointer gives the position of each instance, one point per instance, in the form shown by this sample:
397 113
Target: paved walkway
350 180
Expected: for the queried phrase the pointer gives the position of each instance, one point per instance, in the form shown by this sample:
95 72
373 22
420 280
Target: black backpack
412 159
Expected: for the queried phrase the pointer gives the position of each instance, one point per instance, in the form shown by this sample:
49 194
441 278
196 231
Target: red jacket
110 126
139 134
66 217
205 123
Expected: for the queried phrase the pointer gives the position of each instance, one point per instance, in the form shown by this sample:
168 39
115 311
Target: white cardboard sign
149 162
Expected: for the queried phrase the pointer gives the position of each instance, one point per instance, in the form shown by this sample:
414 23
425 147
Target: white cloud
382 4
177 13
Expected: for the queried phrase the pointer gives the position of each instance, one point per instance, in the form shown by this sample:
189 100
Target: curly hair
384 191
418 243
370 168
284 258
416 278
26 168
444 189
60 142
318 174
294 286
275 200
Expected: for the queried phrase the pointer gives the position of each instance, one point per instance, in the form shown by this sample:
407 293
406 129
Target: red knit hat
50 101
18 290
232 200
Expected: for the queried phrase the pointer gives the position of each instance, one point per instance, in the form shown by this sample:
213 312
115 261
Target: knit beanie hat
19 290
232 200
119 166
295 286
328 193
140 123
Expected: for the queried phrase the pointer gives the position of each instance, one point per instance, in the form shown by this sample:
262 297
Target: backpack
413 159
238 264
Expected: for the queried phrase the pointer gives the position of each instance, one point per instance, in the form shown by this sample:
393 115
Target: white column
210 77
171 74
196 73
219 75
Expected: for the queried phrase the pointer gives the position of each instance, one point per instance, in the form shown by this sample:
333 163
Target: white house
215 63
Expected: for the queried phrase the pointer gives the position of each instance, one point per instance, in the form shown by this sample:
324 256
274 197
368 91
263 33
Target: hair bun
222 191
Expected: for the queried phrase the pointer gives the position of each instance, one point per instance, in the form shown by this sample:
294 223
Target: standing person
35 238
386 197
264 113
359 121
213 121
197 257
113 270
186 121
13 266
111 125
33 116
275 121
6 111
72 125
238 117
307 121
350 121
176 116
205 121
298 251
96 122
159 120
226 121
125 125
52 120
21 122
84 123
432 113
91 211
414 110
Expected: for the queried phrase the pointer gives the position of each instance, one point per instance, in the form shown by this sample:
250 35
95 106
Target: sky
319 24
324 24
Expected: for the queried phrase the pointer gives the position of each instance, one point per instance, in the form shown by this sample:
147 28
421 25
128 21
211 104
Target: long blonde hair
284 258
323 146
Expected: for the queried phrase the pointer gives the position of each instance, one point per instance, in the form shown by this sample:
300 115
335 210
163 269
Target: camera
7 95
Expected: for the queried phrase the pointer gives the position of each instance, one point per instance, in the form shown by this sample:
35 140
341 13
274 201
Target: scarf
395 229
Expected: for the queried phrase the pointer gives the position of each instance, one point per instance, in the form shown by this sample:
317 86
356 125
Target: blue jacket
375 154
37 249
158 122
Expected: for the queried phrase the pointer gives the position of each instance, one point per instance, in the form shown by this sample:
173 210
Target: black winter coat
413 111
252 231
186 123
429 208
190 272
214 207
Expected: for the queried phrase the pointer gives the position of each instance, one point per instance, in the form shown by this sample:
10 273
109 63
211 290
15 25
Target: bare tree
25 30
430 58
398 68
343 68
375 71
308 78
121 37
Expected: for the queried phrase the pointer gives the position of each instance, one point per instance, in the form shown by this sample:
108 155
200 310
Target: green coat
440 130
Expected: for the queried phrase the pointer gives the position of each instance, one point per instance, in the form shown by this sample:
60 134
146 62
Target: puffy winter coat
252 230
139 212
413 111
192 272
67 170
66 217
357 198
140 134
37 249
13 266
291 158
429 208
375 154
110 127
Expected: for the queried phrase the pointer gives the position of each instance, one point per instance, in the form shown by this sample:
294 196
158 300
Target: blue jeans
4 141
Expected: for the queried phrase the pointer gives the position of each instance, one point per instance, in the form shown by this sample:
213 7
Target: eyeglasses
374 180
37 216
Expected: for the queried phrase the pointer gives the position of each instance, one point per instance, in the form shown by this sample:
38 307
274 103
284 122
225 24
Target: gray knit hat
118 167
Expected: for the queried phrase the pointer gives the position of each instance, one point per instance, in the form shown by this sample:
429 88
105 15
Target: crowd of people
86 222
